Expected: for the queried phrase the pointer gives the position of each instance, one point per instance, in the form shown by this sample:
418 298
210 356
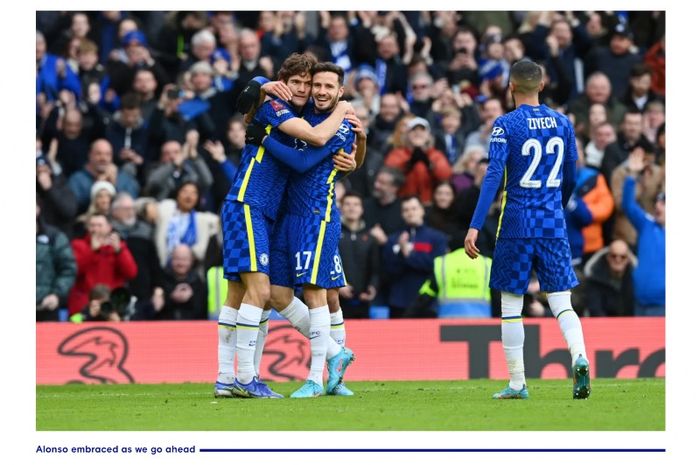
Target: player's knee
511 304
559 301
333 300
234 294
281 297
315 297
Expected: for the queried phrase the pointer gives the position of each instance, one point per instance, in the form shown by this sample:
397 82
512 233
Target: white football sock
260 343
319 334
513 337
297 313
569 323
247 326
338 327
227 344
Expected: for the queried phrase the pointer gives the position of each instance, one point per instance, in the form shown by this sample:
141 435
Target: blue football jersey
261 180
533 143
313 192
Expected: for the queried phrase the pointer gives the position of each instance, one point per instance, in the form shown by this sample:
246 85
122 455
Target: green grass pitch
615 405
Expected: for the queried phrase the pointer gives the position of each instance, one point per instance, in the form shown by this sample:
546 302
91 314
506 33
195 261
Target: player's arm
361 139
498 153
298 160
316 135
568 175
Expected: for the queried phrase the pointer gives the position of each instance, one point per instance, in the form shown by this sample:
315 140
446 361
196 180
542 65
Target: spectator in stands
102 258
145 87
178 164
100 168
422 164
602 136
360 254
206 107
179 223
367 89
52 76
252 63
99 307
450 139
72 138
639 92
566 43
55 269
94 81
489 110
101 195
598 90
590 205
183 295
609 289
128 134
138 57
650 274
53 194
392 75
442 215
361 179
465 169
138 235
650 183
597 115
167 123
383 210
629 138
225 159
384 123
653 118
288 36
616 61
421 94
463 69
655 59
408 256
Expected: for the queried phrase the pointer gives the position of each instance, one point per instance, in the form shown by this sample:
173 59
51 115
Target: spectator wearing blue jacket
52 75
408 256
650 274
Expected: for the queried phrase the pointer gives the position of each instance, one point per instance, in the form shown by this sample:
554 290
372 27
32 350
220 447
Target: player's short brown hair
296 64
328 67
527 76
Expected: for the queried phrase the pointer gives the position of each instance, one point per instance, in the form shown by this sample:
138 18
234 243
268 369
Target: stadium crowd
137 142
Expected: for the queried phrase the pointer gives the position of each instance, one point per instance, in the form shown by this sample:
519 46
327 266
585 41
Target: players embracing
260 244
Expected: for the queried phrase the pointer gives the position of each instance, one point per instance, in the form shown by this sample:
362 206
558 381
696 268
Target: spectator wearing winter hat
101 195
423 165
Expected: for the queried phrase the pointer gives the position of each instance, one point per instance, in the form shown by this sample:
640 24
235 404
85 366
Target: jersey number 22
555 145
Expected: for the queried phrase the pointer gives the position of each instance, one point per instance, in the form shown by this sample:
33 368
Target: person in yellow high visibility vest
460 286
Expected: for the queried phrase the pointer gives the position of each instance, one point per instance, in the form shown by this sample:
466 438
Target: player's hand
278 89
356 125
470 243
345 162
255 134
248 97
